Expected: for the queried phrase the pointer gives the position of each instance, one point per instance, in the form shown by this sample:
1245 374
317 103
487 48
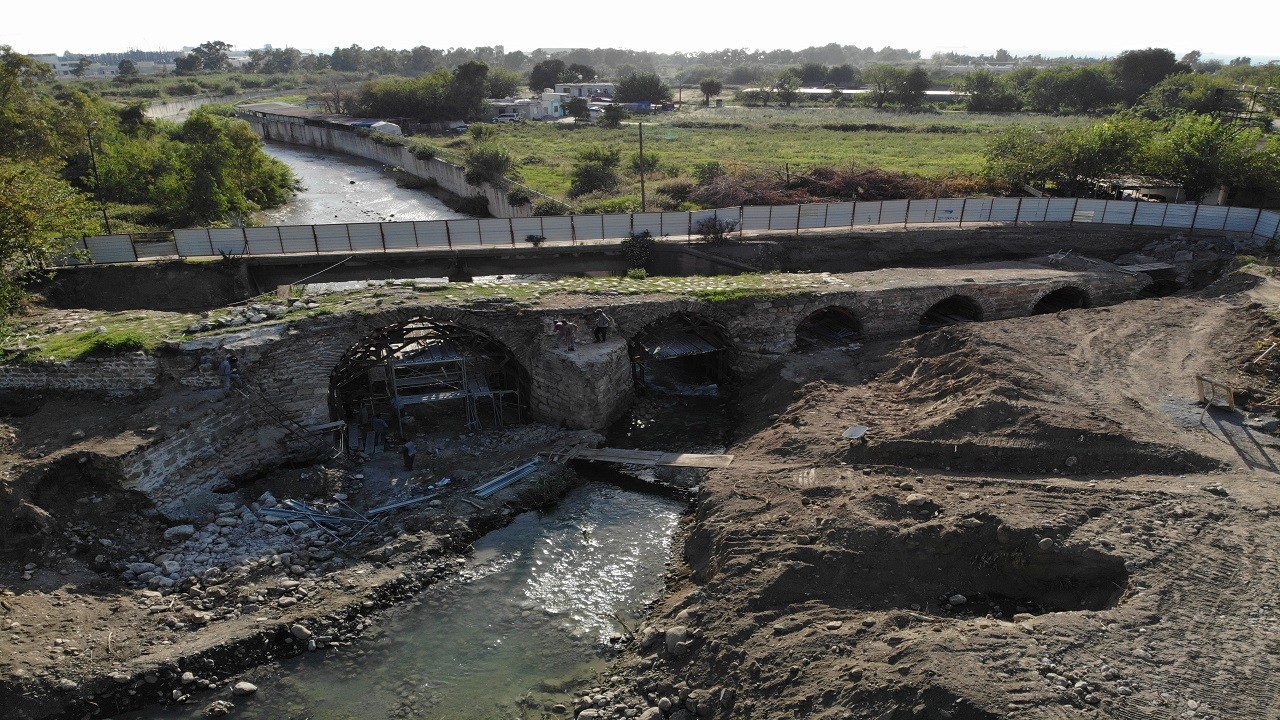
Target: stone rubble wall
118 375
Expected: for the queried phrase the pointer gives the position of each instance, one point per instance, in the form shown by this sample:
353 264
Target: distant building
591 90
549 105
64 67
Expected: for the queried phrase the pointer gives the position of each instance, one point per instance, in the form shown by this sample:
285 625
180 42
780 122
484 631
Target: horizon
981 27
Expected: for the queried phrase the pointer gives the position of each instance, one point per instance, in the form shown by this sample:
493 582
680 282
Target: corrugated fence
676 226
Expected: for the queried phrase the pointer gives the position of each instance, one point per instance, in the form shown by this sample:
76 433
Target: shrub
424 152
488 164
606 205
118 341
716 230
705 172
481 133
637 249
595 171
637 273
535 240
547 207
519 196
477 205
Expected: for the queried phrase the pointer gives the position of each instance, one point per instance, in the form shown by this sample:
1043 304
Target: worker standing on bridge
602 325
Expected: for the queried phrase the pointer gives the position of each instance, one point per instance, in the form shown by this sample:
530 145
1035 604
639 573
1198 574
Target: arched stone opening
680 354
951 311
1160 286
1066 298
831 327
430 374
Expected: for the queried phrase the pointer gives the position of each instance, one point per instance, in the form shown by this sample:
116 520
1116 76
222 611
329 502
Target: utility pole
644 205
97 182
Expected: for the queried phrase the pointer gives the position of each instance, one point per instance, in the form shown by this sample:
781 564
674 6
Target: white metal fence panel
1089 211
332 238
297 239
784 217
399 236
652 222
677 223
840 214
432 233
977 209
867 213
1005 209
464 233
617 226
1268 224
110 248
812 216
558 228
948 211
227 241
1060 210
1149 214
922 211
588 227
263 240
893 212
495 231
1241 219
1211 218
1033 209
365 236
147 249
193 243
522 228
1119 212
1178 216
755 217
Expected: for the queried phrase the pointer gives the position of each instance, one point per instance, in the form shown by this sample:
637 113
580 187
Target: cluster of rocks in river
239 538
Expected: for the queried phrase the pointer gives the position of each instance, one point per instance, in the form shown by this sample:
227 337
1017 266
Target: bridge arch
829 327
1063 298
681 353
434 372
951 310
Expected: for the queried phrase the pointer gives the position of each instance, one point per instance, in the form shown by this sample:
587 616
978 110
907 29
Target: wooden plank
695 460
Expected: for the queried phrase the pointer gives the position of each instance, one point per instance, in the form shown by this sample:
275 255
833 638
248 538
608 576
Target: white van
507 117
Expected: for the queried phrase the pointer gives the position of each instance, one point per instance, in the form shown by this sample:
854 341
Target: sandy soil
1042 525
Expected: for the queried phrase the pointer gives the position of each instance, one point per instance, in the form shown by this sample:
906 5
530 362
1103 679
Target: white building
587 90
549 105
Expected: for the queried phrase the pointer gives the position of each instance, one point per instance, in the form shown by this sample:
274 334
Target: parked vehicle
507 117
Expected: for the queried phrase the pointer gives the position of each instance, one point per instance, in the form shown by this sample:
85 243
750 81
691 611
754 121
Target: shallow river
345 189
531 612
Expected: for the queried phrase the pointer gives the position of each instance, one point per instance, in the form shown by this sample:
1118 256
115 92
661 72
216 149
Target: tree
81 66
1191 92
1137 71
986 92
844 76
577 72
787 87
212 55
126 72
1204 153
39 213
578 108
882 81
709 88
642 87
911 87
546 74
596 170
187 64
613 116
503 83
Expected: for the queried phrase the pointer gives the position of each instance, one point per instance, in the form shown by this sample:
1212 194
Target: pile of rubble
248 315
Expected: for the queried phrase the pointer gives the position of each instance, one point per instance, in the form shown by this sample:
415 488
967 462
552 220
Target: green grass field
928 144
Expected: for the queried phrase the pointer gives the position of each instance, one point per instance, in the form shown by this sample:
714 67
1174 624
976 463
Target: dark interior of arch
830 327
436 374
682 353
1067 298
951 311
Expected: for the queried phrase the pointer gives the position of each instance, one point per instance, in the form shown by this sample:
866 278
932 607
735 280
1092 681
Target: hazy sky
1085 27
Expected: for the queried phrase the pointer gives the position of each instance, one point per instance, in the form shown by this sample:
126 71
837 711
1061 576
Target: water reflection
528 616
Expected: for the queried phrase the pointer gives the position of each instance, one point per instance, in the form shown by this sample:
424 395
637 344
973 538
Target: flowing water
344 189
531 613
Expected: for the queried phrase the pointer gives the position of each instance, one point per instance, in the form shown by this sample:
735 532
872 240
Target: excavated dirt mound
1043 524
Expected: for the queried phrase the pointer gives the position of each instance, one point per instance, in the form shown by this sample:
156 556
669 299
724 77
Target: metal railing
569 230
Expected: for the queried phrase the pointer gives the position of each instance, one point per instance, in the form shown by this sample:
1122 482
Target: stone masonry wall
116 375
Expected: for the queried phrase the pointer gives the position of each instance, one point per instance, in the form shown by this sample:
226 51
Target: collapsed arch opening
680 354
951 311
1067 298
433 373
831 327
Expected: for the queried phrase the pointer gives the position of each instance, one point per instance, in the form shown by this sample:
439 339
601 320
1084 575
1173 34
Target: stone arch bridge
592 386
